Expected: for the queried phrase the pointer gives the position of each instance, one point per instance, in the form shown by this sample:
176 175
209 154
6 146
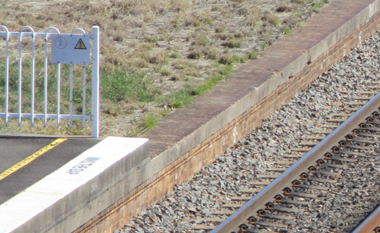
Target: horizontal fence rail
64 54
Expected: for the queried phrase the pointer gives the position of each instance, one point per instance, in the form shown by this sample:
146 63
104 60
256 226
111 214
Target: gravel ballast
215 185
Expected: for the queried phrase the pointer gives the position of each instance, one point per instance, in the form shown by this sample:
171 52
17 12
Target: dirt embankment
171 46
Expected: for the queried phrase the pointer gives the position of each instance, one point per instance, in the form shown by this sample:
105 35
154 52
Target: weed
185 96
228 59
114 59
283 8
224 36
165 72
252 54
174 55
193 22
232 44
160 57
211 53
317 7
178 5
118 37
129 85
220 29
276 21
150 122
226 70
291 21
287 31
239 35
251 20
195 53
215 8
200 38
150 38
266 36
179 65
271 18
176 23
255 12
177 99
242 11
140 63
207 20
264 45
207 85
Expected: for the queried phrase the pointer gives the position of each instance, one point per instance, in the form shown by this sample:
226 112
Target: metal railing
94 117
258 202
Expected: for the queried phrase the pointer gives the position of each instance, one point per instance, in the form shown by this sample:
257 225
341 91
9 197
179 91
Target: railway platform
56 185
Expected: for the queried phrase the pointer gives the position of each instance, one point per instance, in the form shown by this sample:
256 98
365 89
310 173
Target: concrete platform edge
63 200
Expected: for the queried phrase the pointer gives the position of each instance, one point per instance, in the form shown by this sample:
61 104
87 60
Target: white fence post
6 74
95 82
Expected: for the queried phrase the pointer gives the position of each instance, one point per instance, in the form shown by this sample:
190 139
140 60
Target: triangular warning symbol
80 45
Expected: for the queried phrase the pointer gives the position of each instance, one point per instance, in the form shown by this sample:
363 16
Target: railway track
302 184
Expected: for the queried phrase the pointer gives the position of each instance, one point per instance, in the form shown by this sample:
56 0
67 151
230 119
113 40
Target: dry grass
177 44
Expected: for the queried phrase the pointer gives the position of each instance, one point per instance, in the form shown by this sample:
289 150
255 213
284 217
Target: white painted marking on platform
59 184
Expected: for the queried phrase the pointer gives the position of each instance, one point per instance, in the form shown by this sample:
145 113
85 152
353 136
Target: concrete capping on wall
194 136
78 191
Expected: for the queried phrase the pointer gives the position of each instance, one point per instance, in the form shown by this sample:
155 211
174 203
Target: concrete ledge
78 191
193 137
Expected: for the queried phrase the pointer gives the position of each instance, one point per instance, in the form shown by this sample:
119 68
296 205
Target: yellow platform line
30 158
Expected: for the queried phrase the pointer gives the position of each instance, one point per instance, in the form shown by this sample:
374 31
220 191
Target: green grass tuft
186 95
276 21
127 85
287 31
232 44
208 85
177 99
150 122
317 7
253 54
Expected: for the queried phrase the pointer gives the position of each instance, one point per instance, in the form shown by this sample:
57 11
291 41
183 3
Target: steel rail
232 223
370 224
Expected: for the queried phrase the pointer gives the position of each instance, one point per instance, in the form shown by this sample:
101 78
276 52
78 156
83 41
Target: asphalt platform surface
15 150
